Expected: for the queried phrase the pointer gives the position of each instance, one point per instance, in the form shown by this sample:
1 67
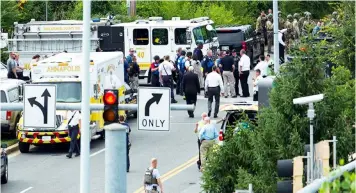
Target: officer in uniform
300 24
262 30
335 16
307 21
295 25
269 33
289 32
280 21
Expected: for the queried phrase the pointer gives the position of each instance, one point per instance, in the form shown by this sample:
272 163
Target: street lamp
310 100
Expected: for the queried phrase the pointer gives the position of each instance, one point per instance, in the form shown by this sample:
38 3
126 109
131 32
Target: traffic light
111 108
293 171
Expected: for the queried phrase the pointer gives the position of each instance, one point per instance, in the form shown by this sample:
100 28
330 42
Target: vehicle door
142 44
4 99
160 40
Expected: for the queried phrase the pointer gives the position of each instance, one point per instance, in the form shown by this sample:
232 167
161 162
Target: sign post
39 99
154 109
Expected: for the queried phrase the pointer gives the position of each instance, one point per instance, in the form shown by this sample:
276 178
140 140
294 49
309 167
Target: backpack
149 179
181 64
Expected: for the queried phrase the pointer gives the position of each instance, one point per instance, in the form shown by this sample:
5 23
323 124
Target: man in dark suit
191 88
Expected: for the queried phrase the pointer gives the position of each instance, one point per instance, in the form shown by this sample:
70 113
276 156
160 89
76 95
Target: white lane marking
27 189
96 153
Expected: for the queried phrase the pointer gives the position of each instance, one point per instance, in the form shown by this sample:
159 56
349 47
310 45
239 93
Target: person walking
255 84
198 70
236 71
191 88
228 67
122 120
165 70
214 85
282 44
207 136
154 72
126 71
133 74
198 52
262 66
130 56
152 179
207 64
244 65
74 124
198 126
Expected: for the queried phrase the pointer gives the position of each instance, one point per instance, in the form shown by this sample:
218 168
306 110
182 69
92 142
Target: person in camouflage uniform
295 24
280 21
300 24
307 21
269 33
335 16
261 29
289 32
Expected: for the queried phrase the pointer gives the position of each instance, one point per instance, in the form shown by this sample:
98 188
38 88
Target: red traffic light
110 98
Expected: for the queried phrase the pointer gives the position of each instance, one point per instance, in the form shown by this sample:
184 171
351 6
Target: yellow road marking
174 171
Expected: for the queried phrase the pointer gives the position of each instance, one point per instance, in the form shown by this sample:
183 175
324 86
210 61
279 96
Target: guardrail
314 187
92 107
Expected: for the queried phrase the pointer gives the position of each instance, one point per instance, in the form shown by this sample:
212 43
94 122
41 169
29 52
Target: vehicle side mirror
3 145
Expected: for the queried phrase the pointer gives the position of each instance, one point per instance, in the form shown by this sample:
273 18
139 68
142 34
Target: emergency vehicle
106 72
148 38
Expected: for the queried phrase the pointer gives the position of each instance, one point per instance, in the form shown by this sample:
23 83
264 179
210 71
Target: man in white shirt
245 65
262 66
255 84
152 178
214 85
74 123
165 73
188 60
282 44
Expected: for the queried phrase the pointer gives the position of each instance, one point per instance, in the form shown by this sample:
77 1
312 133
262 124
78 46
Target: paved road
46 169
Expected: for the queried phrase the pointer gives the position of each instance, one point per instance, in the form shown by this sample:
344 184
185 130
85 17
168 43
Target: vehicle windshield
230 37
3 97
68 92
201 34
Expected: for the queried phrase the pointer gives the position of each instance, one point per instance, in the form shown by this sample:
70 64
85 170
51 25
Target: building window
180 36
160 37
140 37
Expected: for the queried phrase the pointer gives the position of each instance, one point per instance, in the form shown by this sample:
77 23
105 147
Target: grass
9 142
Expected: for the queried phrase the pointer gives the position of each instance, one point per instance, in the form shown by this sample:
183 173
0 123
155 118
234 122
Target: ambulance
156 36
64 71
150 37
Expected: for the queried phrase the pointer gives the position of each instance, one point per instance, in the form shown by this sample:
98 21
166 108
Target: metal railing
92 107
315 186
245 191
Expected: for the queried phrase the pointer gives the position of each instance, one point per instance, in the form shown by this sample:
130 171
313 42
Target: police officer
152 179
289 32
269 33
295 25
280 21
236 58
300 24
122 121
74 123
154 72
207 65
307 21
198 52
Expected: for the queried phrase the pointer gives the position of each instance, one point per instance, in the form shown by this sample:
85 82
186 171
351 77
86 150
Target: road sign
39 106
154 109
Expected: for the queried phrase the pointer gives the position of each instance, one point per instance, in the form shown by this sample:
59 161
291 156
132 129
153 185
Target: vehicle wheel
5 177
24 147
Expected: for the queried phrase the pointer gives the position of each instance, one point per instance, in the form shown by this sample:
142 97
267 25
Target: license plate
46 138
224 47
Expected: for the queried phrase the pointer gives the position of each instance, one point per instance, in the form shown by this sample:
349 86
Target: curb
12 148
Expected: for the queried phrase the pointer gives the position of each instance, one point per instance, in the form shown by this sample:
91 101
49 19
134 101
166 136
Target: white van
10 92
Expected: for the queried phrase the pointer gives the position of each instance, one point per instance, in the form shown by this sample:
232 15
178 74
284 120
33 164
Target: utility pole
85 106
275 36
128 4
47 10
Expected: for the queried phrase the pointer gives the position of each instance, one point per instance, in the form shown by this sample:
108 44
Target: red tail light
244 45
221 136
8 115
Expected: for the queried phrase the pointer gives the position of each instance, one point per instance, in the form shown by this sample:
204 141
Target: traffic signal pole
85 119
115 158
275 36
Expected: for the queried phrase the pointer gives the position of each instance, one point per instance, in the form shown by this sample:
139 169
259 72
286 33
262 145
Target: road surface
46 169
